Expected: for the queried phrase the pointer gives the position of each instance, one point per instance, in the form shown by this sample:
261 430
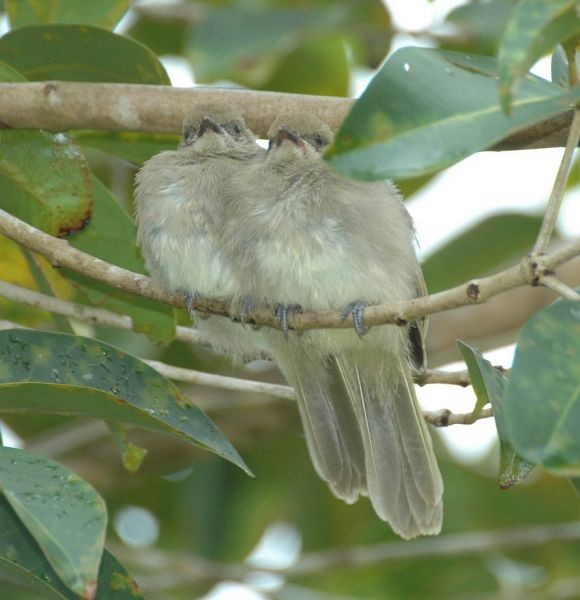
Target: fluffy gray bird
299 233
180 208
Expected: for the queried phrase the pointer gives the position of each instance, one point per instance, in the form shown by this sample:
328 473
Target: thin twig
87 314
557 194
222 382
473 292
63 105
314 563
558 286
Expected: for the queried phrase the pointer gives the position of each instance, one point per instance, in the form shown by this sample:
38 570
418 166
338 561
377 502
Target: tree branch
62 105
59 253
314 563
561 288
107 318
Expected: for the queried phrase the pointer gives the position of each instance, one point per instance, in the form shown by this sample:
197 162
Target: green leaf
21 557
131 454
489 385
426 109
327 73
132 146
7 73
56 373
559 67
533 28
45 180
473 360
482 248
575 483
104 13
481 24
543 394
163 35
244 45
79 53
111 236
63 513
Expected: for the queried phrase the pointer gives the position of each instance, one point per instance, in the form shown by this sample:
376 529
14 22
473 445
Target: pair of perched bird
221 217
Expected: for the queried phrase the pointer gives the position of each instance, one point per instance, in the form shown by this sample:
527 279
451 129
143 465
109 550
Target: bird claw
283 311
190 299
357 310
246 308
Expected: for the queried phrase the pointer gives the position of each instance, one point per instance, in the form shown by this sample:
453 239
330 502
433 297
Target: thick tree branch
61 105
59 253
314 563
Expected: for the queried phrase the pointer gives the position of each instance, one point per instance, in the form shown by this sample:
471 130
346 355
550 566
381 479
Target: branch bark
59 253
61 105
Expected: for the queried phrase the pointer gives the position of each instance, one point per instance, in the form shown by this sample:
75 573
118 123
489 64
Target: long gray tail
403 479
328 418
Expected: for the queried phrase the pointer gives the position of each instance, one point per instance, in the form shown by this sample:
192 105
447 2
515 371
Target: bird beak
285 133
208 124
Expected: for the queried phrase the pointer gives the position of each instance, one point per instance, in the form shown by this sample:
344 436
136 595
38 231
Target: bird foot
357 310
283 311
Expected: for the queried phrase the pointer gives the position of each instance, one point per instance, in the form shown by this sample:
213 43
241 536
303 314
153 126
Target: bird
179 209
301 235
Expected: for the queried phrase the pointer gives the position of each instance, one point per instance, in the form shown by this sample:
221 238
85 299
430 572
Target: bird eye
319 140
237 128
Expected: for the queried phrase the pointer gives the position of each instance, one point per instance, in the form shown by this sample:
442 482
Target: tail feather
330 425
403 479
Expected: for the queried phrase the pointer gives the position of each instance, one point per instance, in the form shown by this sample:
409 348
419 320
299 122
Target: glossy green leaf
45 180
327 73
131 146
79 53
63 513
102 13
22 558
111 236
426 109
533 28
480 24
543 395
7 73
489 385
244 45
482 248
43 372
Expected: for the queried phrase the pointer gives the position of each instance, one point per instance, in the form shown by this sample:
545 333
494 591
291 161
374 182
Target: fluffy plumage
299 233
180 209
